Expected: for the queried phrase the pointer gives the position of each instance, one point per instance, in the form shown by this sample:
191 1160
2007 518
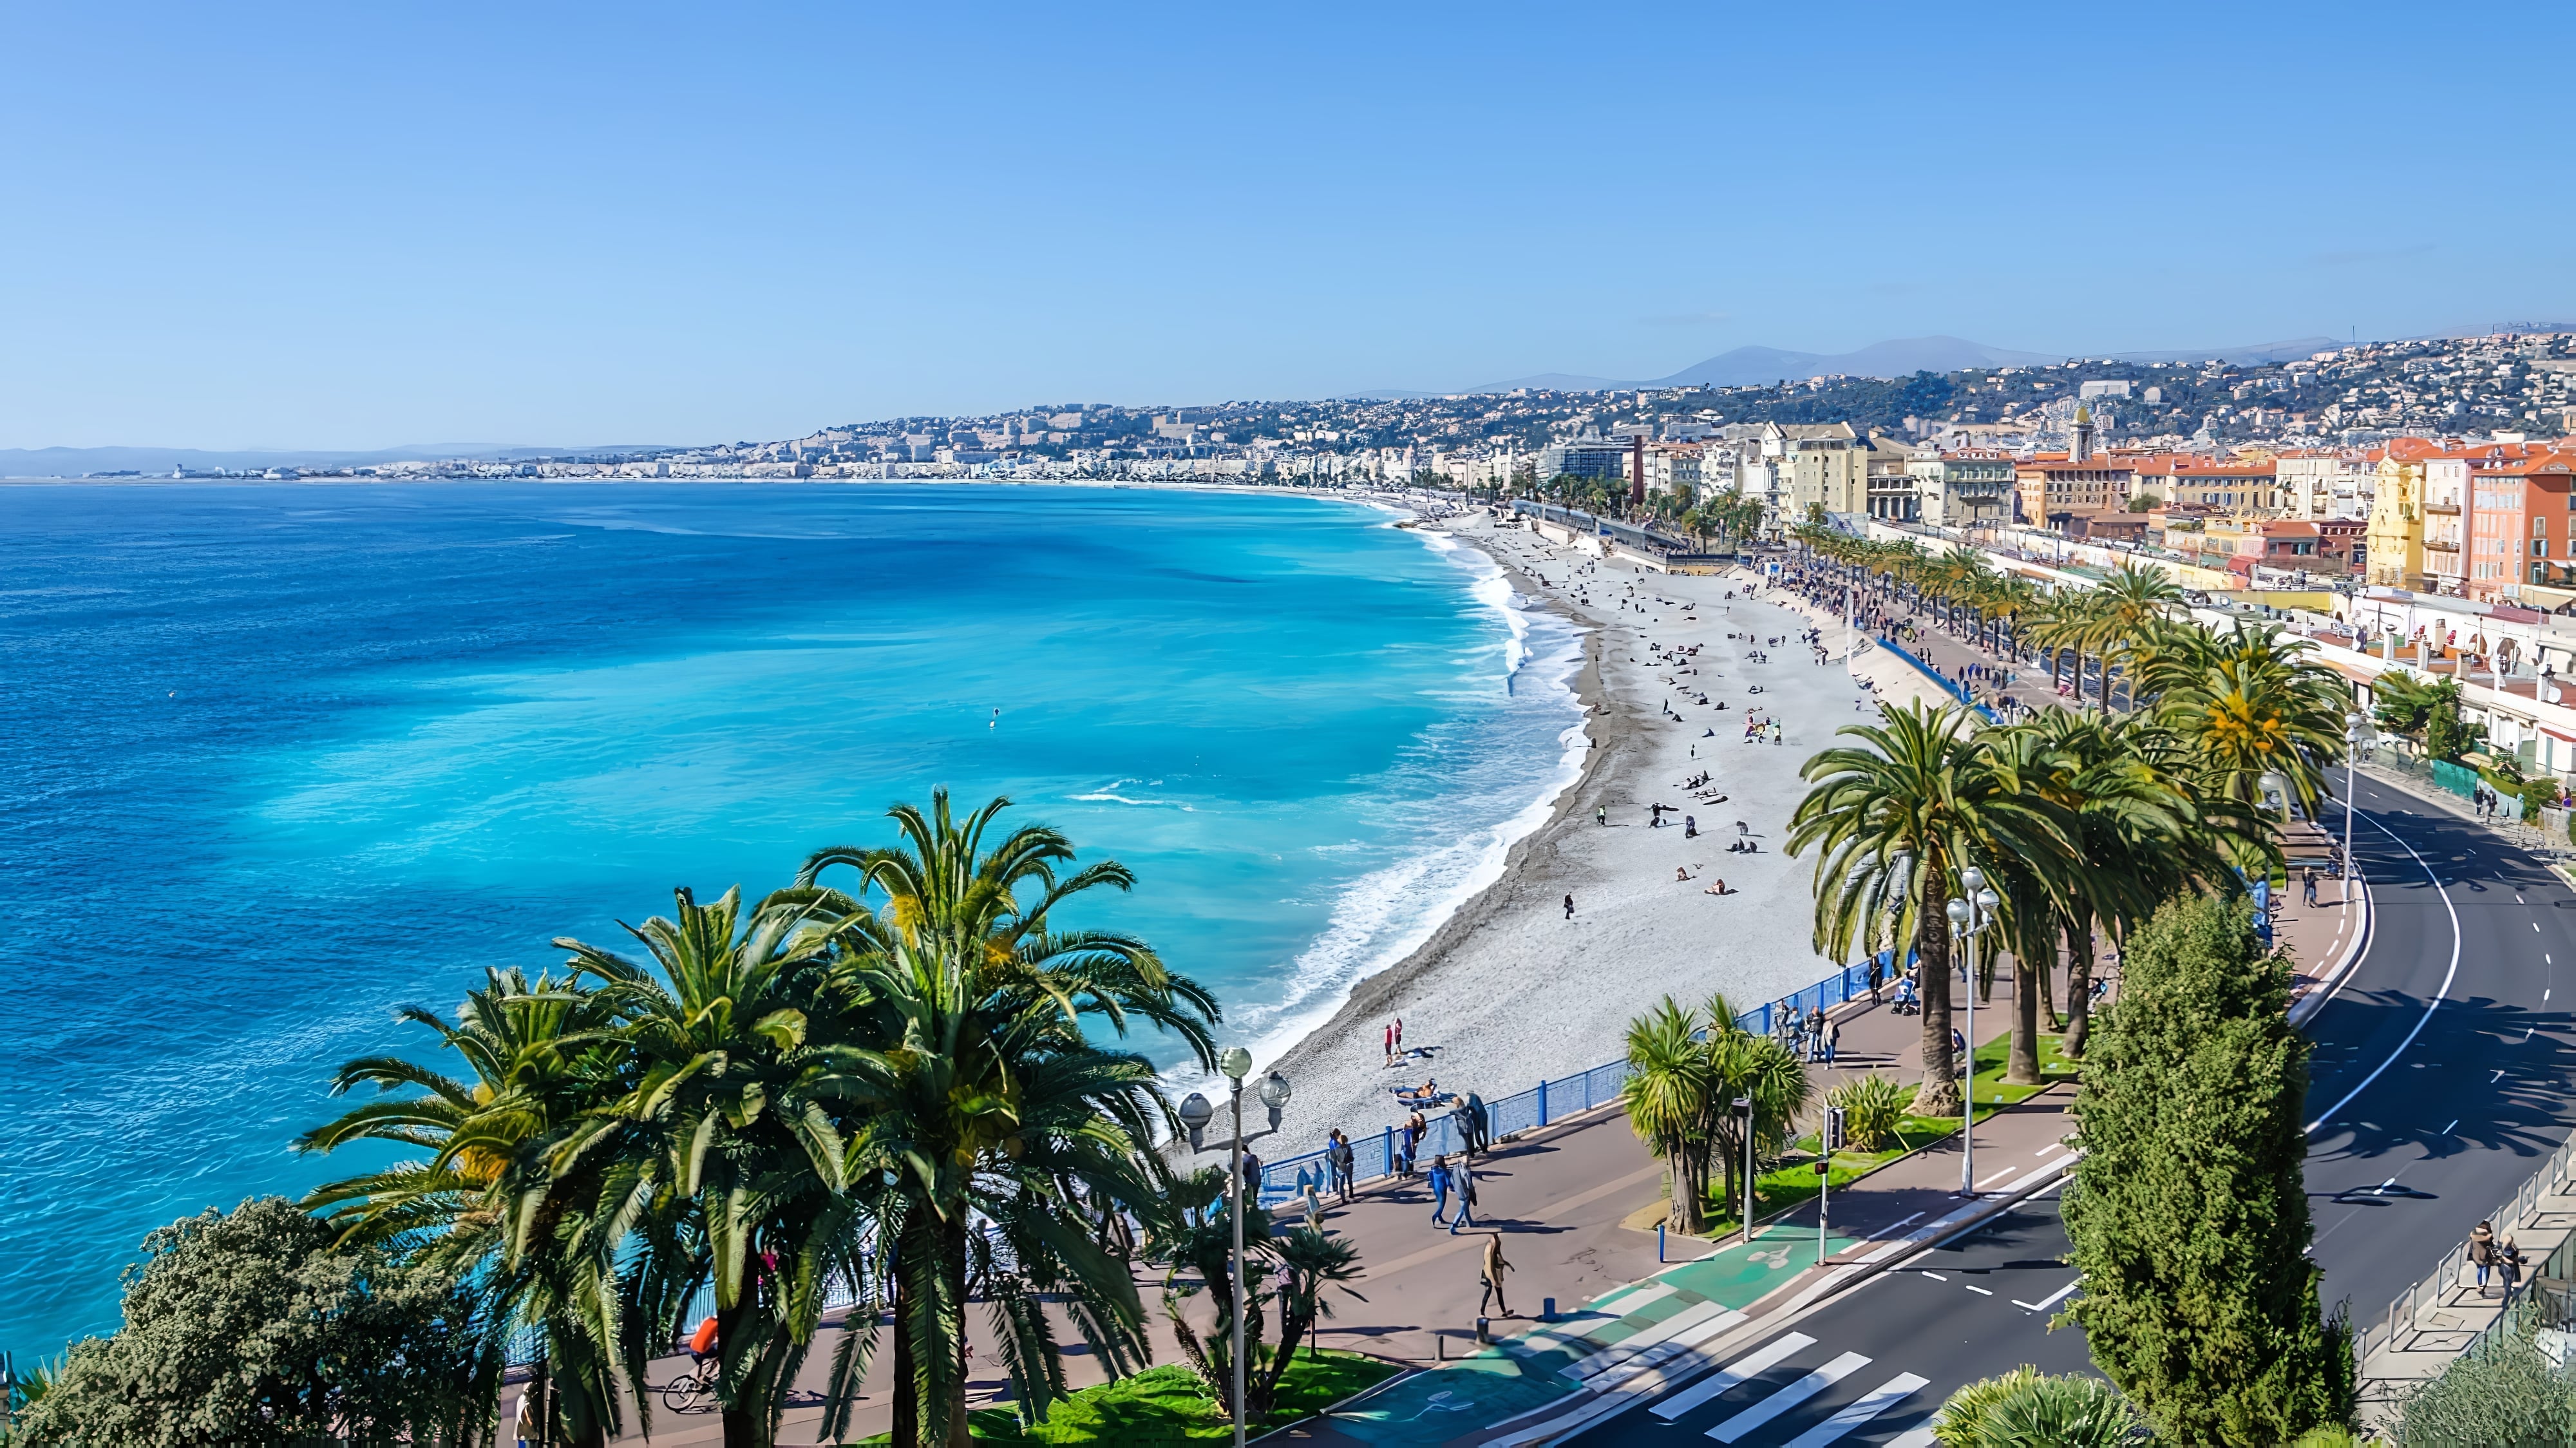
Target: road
2440 1082
1872 1365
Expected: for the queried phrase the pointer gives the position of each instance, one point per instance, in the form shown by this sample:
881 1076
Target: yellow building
2394 542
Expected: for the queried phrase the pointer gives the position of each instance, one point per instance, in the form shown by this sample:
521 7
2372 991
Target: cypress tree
2189 1216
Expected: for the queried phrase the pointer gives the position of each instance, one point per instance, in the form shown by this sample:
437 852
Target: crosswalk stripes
1915 1438
1789 1397
1753 1364
1684 1329
1881 1398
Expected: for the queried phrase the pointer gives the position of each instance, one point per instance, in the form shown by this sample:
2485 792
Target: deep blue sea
277 758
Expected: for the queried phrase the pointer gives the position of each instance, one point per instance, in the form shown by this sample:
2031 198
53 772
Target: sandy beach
1509 989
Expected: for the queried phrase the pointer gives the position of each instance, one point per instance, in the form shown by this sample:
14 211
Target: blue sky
364 225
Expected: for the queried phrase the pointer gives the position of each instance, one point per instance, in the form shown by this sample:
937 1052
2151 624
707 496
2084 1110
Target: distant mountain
73 462
1899 357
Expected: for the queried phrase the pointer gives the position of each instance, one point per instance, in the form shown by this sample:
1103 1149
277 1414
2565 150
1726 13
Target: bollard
1659 1242
1547 1309
1484 1330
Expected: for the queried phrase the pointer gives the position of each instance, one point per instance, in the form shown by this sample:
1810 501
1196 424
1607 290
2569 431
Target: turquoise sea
277 758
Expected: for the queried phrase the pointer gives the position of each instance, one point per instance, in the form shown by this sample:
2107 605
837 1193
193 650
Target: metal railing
1549 1101
2399 1322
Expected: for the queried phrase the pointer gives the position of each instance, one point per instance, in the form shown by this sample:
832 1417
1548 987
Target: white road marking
2052 1299
1881 1398
2449 975
1893 1227
1913 1438
1980 1291
1788 1397
1753 1364
2498 1076
2009 1171
2447 1130
1935 1276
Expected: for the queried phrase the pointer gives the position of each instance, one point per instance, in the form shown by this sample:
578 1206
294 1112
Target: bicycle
695 1390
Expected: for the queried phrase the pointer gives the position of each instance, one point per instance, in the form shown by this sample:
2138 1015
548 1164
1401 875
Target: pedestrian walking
1569 907
2509 1261
1439 1180
1462 1175
1479 1123
1833 1040
2482 1253
1601 814
1338 1157
2308 884
1495 1267
1877 973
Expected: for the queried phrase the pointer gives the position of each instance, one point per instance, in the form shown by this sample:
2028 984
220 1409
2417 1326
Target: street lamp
1744 1107
1274 1092
1971 916
2356 737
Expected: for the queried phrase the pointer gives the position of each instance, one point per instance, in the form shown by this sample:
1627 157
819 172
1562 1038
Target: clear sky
358 225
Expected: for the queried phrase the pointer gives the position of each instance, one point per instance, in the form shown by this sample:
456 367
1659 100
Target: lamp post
1274 1091
1970 917
2356 737
1744 1105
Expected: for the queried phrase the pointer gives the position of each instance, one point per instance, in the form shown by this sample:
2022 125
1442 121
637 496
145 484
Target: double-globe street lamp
2356 738
1236 1063
1971 917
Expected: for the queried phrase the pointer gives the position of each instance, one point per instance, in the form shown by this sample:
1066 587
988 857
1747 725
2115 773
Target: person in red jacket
702 1343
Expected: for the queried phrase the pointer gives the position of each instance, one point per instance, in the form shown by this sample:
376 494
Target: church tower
2081 450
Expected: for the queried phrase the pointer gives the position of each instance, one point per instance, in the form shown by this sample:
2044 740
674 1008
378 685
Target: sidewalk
2421 1333
1549 1378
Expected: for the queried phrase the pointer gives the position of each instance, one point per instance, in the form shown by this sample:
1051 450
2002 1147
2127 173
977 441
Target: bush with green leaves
1871 1105
2026 1408
253 1327
2189 1217
2505 1395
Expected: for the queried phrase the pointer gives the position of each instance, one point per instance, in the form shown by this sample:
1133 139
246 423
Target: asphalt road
2440 1082
2442 1070
1872 1365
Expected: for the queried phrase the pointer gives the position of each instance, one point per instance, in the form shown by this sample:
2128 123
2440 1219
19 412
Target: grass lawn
1167 1405
1794 1180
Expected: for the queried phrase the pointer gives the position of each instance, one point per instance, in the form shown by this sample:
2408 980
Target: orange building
2521 525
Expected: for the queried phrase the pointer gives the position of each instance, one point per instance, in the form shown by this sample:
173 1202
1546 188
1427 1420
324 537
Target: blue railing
1550 1101
1953 690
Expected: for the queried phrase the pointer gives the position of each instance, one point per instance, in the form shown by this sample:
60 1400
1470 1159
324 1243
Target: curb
1568 1421
2318 994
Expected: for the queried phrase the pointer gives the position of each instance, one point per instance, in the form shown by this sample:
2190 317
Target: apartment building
1815 464
1890 483
1969 487
2521 526
2236 485
2064 492
2320 483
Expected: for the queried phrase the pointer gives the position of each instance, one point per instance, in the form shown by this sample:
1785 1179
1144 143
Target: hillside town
2404 464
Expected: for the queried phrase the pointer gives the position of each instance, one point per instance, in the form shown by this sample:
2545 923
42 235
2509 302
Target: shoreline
1506 989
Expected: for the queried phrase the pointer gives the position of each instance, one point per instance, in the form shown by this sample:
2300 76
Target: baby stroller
1906 1003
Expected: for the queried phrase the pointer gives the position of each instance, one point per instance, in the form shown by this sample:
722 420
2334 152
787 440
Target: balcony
2447 510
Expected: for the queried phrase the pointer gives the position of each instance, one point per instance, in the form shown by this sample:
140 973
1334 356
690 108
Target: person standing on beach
1601 814
1569 907
1390 1045
1399 1034
1439 1181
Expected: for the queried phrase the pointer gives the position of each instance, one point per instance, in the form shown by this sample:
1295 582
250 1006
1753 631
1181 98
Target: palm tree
728 1154
2133 606
2249 703
1667 1099
537 1065
990 1101
1892 822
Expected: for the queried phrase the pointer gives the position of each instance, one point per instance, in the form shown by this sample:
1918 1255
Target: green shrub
1872 1105
2027 1408
2506 1396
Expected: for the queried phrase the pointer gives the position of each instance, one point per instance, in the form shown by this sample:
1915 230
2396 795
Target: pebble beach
1511 988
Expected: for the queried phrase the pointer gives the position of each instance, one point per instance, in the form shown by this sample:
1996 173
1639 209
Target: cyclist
702 1343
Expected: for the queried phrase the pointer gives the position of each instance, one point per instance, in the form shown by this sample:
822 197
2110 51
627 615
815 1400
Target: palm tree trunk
2021 1064
746 1416
952 1260
2079 989
1939 1093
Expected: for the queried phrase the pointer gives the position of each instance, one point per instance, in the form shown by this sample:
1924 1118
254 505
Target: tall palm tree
1666 1097
2248 703
990 1101
726 1160
535 1056
2132 607
1892 822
